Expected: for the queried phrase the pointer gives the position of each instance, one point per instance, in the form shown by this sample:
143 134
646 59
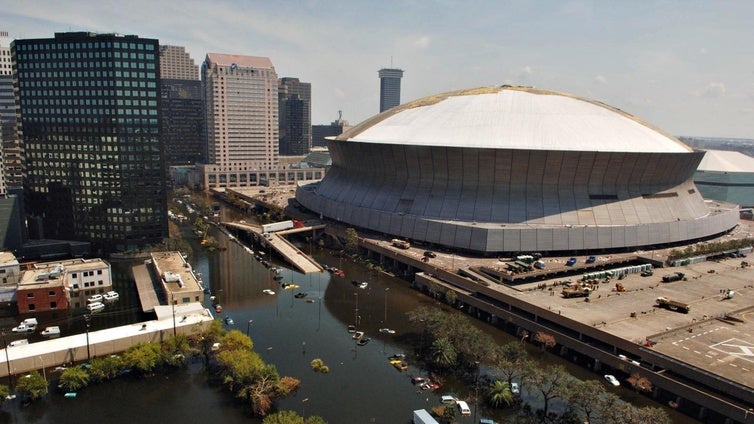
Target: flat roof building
178 281
390 88
89 122
241 111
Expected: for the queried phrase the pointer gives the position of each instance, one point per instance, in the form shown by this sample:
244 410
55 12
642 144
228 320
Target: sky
685 66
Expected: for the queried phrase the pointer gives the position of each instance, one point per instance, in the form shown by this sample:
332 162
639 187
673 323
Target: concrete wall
491 200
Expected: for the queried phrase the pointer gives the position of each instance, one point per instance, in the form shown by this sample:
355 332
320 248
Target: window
30 295
73 275
99 272
52 293
53 305
32 307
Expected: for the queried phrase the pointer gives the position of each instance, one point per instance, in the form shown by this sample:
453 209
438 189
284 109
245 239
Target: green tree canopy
32 386
73 379
144 357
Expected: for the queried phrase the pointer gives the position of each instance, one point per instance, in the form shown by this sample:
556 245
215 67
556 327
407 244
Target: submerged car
612 380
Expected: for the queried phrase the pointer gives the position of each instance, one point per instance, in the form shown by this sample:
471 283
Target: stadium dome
513 169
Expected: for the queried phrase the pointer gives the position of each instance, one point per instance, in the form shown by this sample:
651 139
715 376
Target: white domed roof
513 118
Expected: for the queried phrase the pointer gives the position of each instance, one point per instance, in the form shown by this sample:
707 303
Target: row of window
84 45
77 120
33 307
47 101
290 176
90 111
23 65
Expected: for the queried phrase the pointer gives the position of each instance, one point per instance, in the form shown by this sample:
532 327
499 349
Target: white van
19 342
463 407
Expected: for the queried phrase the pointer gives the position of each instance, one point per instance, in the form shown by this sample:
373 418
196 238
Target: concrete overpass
286 249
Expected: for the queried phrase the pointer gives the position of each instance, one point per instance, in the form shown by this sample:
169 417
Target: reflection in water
288 332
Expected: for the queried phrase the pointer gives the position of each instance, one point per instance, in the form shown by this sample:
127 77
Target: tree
4 392
499 393
585 397
144 357
444 354
548 382
237 340
291 417
639 383
73 379
451 298
352 240
545 340
449 413
32 386
105 368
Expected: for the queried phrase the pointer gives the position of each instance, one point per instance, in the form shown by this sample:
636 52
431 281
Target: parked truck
401 244
277 226
668 278
673 305
421 416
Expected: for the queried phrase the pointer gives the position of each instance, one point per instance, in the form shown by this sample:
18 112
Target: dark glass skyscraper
182 108
295 116
390 88
89 124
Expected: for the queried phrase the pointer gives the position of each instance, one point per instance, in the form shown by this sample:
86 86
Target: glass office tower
89 123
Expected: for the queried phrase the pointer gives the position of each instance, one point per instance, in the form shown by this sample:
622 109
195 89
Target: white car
612 380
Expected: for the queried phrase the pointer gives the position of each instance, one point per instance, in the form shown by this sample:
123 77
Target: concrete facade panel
444 195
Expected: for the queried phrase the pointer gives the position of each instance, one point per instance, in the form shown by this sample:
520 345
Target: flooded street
361 387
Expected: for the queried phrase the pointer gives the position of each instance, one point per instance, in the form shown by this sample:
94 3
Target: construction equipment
576 290
668 278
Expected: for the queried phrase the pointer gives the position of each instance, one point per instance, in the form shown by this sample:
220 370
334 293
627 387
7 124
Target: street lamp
385 320
88 317
356 311
476 390
248 328
44 372
172 302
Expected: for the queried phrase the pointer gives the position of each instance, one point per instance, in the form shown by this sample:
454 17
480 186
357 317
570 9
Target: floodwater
361 387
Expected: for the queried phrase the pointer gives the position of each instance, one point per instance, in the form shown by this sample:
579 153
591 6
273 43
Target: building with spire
390 87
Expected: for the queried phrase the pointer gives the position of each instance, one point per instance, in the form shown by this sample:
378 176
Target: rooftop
173 263
726 161
239 60
514 118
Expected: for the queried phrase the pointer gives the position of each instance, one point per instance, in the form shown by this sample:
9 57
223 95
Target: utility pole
88 317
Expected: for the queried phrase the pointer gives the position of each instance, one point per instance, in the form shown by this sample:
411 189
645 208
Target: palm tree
444 354
499 393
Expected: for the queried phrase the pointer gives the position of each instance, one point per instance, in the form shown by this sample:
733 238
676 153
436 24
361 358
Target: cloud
423 42
714 90
600 79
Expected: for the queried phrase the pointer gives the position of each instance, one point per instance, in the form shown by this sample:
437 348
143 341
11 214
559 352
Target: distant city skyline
684 67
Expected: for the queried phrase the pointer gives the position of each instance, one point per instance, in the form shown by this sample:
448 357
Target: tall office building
241 111
181 107
8 146
321 132
390 88
295 112
176 63
89 123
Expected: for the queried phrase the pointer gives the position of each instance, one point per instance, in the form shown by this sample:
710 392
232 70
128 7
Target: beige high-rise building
241 111
175 63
